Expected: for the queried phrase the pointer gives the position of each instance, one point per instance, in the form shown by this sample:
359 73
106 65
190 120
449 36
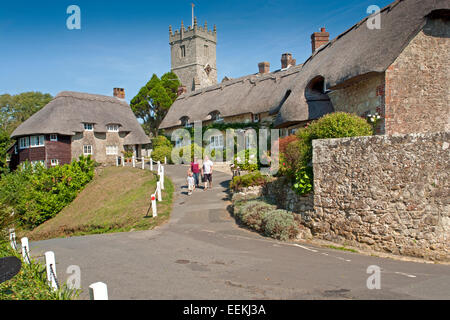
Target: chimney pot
287 61
119 93
264 67
319 39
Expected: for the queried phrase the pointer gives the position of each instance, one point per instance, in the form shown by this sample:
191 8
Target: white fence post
162 178
123 161
25 250
143 163
98 291
158 191
134 162
51 269
165 160
151 164
154 206
12 239
159 167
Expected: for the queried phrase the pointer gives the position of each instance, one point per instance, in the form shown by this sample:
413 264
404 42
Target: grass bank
116 200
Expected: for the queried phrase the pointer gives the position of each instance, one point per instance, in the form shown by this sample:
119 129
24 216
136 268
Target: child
191 183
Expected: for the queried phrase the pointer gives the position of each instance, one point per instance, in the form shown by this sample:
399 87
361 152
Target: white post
158 191
51 266
25 250
154 206
123 161
143 163
165 160
162 177
12 239
134 162
159 167
98 291
151 164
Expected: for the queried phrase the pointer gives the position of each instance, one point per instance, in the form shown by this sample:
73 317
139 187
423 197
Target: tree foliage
15 109
154 100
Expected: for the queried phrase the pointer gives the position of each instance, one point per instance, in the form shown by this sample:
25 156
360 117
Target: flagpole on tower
193 5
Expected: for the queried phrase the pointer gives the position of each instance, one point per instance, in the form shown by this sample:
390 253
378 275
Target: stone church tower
193 55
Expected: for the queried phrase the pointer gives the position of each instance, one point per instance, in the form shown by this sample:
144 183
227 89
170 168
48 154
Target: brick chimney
181 90
287 61
264 67
318 39
119 93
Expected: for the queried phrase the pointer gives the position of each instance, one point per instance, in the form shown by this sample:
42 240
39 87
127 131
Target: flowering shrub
248 180
296 160
247 160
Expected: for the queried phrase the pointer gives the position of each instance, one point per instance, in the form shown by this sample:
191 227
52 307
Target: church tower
193 55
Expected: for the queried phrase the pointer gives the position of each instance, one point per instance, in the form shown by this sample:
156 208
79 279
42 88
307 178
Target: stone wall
417 83
387 193
99 142
361 97
280 192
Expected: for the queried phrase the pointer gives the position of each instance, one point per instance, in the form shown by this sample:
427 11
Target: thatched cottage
400 71
75 124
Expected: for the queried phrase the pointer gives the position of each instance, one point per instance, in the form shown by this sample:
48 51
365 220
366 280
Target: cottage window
216 142
54 162
256 118
112 128
36 141
54 137
112 150
87 150
89 127
24 143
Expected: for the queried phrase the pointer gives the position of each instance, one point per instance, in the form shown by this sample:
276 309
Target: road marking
406 275
306 248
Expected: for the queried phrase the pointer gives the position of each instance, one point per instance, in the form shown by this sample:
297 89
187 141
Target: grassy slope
116 200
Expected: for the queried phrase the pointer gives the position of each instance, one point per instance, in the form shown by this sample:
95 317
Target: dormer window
112 128
256 118
53 137
215 116
88 127
185 122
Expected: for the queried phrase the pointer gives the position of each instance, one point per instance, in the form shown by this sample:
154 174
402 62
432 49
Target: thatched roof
359 51
355 53
255 94
68 111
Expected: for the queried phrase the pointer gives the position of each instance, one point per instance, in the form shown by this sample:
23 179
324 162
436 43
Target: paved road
202 254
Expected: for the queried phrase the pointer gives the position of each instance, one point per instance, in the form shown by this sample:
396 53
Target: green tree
15 109
4 144
154 99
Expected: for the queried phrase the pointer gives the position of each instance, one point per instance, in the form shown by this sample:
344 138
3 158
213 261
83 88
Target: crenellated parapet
193 31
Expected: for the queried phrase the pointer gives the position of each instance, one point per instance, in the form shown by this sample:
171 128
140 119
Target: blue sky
122 43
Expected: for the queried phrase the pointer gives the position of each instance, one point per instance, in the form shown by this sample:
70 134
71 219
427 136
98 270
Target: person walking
195 169
207 170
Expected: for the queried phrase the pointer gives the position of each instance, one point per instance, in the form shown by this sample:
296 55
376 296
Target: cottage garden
252 206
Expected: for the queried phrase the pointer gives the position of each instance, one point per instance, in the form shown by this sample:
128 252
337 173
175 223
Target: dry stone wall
388 193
